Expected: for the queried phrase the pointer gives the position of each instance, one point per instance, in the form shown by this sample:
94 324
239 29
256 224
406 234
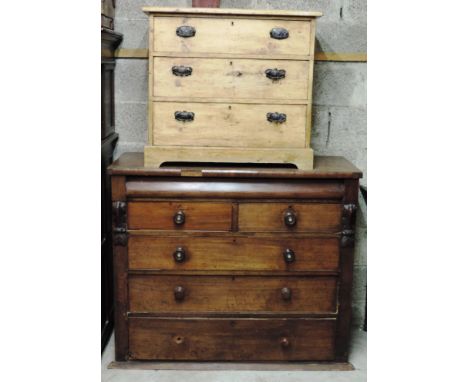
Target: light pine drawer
231 36
199 253
225 294
230 78
293 217
180 216
229 125
231 339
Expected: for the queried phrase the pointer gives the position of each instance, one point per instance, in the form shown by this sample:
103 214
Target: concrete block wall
340 98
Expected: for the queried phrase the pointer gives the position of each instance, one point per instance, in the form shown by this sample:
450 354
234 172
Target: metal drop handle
185 31
275 74
182 71
279 33
276 117
184 116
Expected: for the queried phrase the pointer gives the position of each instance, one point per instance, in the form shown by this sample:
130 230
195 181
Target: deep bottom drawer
232 339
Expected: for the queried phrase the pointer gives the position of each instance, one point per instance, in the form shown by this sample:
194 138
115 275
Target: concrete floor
358 358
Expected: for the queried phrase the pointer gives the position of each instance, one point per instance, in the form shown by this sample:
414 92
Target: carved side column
348 219
120 240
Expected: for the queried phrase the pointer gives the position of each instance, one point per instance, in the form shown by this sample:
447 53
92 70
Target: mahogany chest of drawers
230 85
233 264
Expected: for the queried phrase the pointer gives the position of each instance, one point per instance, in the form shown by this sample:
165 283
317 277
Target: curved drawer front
171 294
180 216
232 339
304 217
229 125
230 36
233 253
230 78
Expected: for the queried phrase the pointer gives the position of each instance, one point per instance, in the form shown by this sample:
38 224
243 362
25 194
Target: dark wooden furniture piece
233 264
107 14
109 42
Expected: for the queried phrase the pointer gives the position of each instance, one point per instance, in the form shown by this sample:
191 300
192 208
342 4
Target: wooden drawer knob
179 293
179 218
289 256
284 343
286 293
290 218
179 255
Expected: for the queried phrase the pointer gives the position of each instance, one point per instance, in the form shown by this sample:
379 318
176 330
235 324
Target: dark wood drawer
234 253
203 294
180 215
231 339
289 217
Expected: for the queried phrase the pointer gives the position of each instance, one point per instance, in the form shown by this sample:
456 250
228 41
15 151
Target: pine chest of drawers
229 85
233 264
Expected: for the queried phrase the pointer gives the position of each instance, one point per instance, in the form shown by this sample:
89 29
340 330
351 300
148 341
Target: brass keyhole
178 340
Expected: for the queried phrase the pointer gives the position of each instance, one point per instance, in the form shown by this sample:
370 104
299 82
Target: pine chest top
230 12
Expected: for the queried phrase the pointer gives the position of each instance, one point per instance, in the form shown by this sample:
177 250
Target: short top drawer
231 36
294 217
176 216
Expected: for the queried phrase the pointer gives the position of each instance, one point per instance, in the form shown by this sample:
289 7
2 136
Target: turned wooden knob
179 255
179 293
179 218
290 218
284 343
286 293
289 256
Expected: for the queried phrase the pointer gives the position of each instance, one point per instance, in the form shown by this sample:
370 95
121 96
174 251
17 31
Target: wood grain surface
155 294
142 53
232 339
230 12
230 36
233 253
269 217
198 215
228 125
230 78
198 187
156 156
325 167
